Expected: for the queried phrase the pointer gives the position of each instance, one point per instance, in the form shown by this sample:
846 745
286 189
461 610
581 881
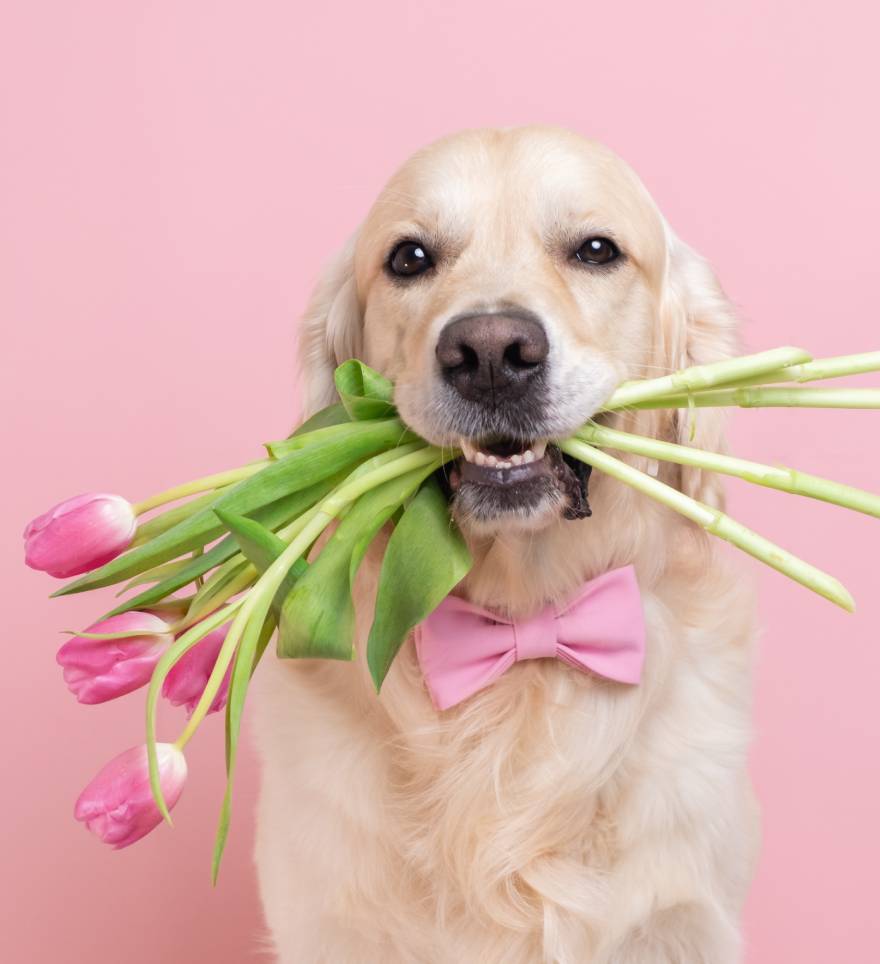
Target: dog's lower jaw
518 505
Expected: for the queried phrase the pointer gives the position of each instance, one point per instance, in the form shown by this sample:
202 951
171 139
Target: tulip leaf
156 574
364 392
225 579
273 515
344 431
331 415
262 547
162 523
425 559
294 473
318 613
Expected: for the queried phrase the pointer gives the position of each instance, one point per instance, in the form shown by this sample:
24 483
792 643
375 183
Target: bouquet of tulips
244 547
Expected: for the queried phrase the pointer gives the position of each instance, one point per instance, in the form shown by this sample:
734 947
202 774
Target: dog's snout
492 354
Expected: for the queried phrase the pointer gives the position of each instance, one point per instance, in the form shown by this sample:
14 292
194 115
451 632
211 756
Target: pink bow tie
463 648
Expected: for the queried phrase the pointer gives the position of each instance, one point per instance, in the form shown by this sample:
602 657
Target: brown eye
597 251
409 258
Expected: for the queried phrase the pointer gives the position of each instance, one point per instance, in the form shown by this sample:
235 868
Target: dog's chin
490 497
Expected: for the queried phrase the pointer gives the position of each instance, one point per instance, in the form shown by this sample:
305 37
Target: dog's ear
330 330
698 326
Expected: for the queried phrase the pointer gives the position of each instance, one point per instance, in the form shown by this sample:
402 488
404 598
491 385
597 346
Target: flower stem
774 397
715 522
700 377
820 369
773 477
172 655
215 481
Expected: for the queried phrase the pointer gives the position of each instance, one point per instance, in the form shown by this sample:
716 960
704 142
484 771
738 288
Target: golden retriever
554 816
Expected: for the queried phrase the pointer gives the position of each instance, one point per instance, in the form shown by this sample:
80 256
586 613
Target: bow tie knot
462 648
538 637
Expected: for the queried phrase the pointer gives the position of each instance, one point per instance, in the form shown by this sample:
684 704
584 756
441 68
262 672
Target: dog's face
507 281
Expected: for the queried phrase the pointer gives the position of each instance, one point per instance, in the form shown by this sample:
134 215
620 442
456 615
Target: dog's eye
597 251
409 258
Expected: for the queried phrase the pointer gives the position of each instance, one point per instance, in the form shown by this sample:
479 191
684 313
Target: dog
555 815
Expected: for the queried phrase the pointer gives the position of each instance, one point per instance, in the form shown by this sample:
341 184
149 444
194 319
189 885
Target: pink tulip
97 670
79 534
186 682
118 805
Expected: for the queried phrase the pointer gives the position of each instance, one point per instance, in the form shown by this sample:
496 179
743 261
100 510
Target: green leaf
294 473
262 547
425 559
343 432
273 515
259 544
331 415
232 577
162 523
318 614
156 574
364 392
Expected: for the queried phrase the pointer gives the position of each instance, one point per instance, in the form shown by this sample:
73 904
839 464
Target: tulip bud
118 804
186 682
97 670
79 535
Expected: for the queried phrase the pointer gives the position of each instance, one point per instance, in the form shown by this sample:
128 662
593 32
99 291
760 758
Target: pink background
174 174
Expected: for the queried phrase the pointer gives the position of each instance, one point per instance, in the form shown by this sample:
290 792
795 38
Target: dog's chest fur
519 813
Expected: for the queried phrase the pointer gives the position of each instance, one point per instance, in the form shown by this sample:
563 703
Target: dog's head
508 281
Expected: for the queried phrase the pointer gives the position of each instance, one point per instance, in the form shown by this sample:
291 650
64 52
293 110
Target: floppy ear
330 330
698 326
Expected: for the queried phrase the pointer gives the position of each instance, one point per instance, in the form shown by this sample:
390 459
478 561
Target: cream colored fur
554 817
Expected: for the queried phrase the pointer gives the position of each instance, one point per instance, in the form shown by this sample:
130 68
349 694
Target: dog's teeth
516 459
539 448
491 461
468 450
480 458
528 456
653 467
500 464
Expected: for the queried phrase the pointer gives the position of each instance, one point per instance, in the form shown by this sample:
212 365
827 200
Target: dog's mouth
503 476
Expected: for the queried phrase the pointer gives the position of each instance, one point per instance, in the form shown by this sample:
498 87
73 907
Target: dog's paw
685 934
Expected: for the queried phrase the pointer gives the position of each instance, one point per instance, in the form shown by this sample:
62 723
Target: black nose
492 356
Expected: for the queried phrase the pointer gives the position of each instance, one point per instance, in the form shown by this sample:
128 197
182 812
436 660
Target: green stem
215 481
700 377
773 477
821 369
171 656
715 522
853 398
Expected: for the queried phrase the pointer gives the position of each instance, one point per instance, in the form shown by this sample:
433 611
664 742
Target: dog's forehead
547 178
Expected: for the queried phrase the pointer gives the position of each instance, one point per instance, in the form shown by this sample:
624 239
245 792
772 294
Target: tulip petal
118 806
